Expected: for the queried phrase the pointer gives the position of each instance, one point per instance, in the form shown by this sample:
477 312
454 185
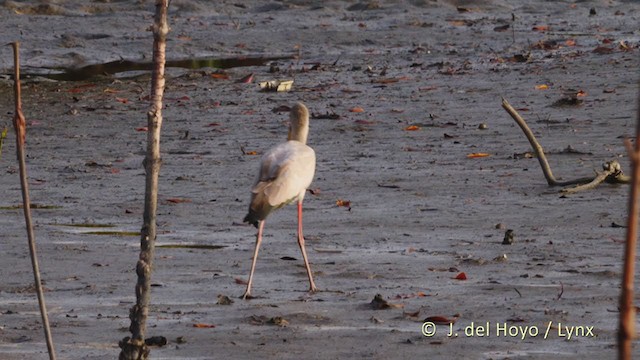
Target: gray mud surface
421 210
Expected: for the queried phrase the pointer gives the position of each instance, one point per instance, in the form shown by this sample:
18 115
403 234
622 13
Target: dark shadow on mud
120 66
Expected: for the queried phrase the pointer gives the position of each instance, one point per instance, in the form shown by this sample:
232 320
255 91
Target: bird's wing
285 173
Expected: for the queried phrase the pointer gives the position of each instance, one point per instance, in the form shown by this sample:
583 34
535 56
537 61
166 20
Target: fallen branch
19 124
612 171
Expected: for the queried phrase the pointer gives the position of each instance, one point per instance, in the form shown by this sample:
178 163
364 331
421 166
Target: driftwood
19 124
627 331
612 172
134 347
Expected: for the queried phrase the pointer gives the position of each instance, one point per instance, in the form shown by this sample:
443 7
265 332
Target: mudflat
420 173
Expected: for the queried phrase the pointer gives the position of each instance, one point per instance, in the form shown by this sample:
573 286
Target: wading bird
286 171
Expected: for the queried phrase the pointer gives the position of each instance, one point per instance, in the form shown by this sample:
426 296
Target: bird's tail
252 218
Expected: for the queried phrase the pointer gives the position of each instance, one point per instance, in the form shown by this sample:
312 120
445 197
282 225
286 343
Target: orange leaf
345 203
356 109
542 87
477 155
581 93
203 326
461 276
122 100
570 42
221 76
143 128
412 128
252 152
540 28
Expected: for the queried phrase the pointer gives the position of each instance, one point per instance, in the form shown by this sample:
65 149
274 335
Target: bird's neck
298 135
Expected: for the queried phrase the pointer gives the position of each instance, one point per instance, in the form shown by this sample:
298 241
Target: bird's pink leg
255 258
312 285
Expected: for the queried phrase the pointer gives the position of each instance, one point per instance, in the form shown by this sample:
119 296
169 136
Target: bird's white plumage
286 172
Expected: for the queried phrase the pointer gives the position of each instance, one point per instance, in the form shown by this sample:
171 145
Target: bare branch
20 127
134 348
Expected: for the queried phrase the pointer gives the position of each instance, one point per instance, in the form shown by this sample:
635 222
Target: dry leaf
477 155
240 281
540 28
247 79
461 276
122 100
220 76
203 326
356 109
252 152
178 200
143 128
542 87
602 50
442 320
412 128
343 203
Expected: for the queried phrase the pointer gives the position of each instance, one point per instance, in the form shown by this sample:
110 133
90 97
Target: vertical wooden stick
627 331
19 124
135 347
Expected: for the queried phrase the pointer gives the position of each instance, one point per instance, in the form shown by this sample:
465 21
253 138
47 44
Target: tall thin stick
627 329
135 347
19 124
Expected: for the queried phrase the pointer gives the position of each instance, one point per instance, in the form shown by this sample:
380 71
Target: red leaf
247 79
203 326
461 276
143 128
122 100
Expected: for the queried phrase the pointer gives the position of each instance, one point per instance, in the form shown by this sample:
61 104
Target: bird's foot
313 289
246 296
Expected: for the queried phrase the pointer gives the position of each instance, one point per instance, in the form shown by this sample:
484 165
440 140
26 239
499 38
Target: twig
134 348
561 291
612 171
19 124
627 330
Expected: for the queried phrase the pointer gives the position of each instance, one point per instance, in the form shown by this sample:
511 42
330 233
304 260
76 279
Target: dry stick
612 173
135 347
19 124
627 329
546 169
